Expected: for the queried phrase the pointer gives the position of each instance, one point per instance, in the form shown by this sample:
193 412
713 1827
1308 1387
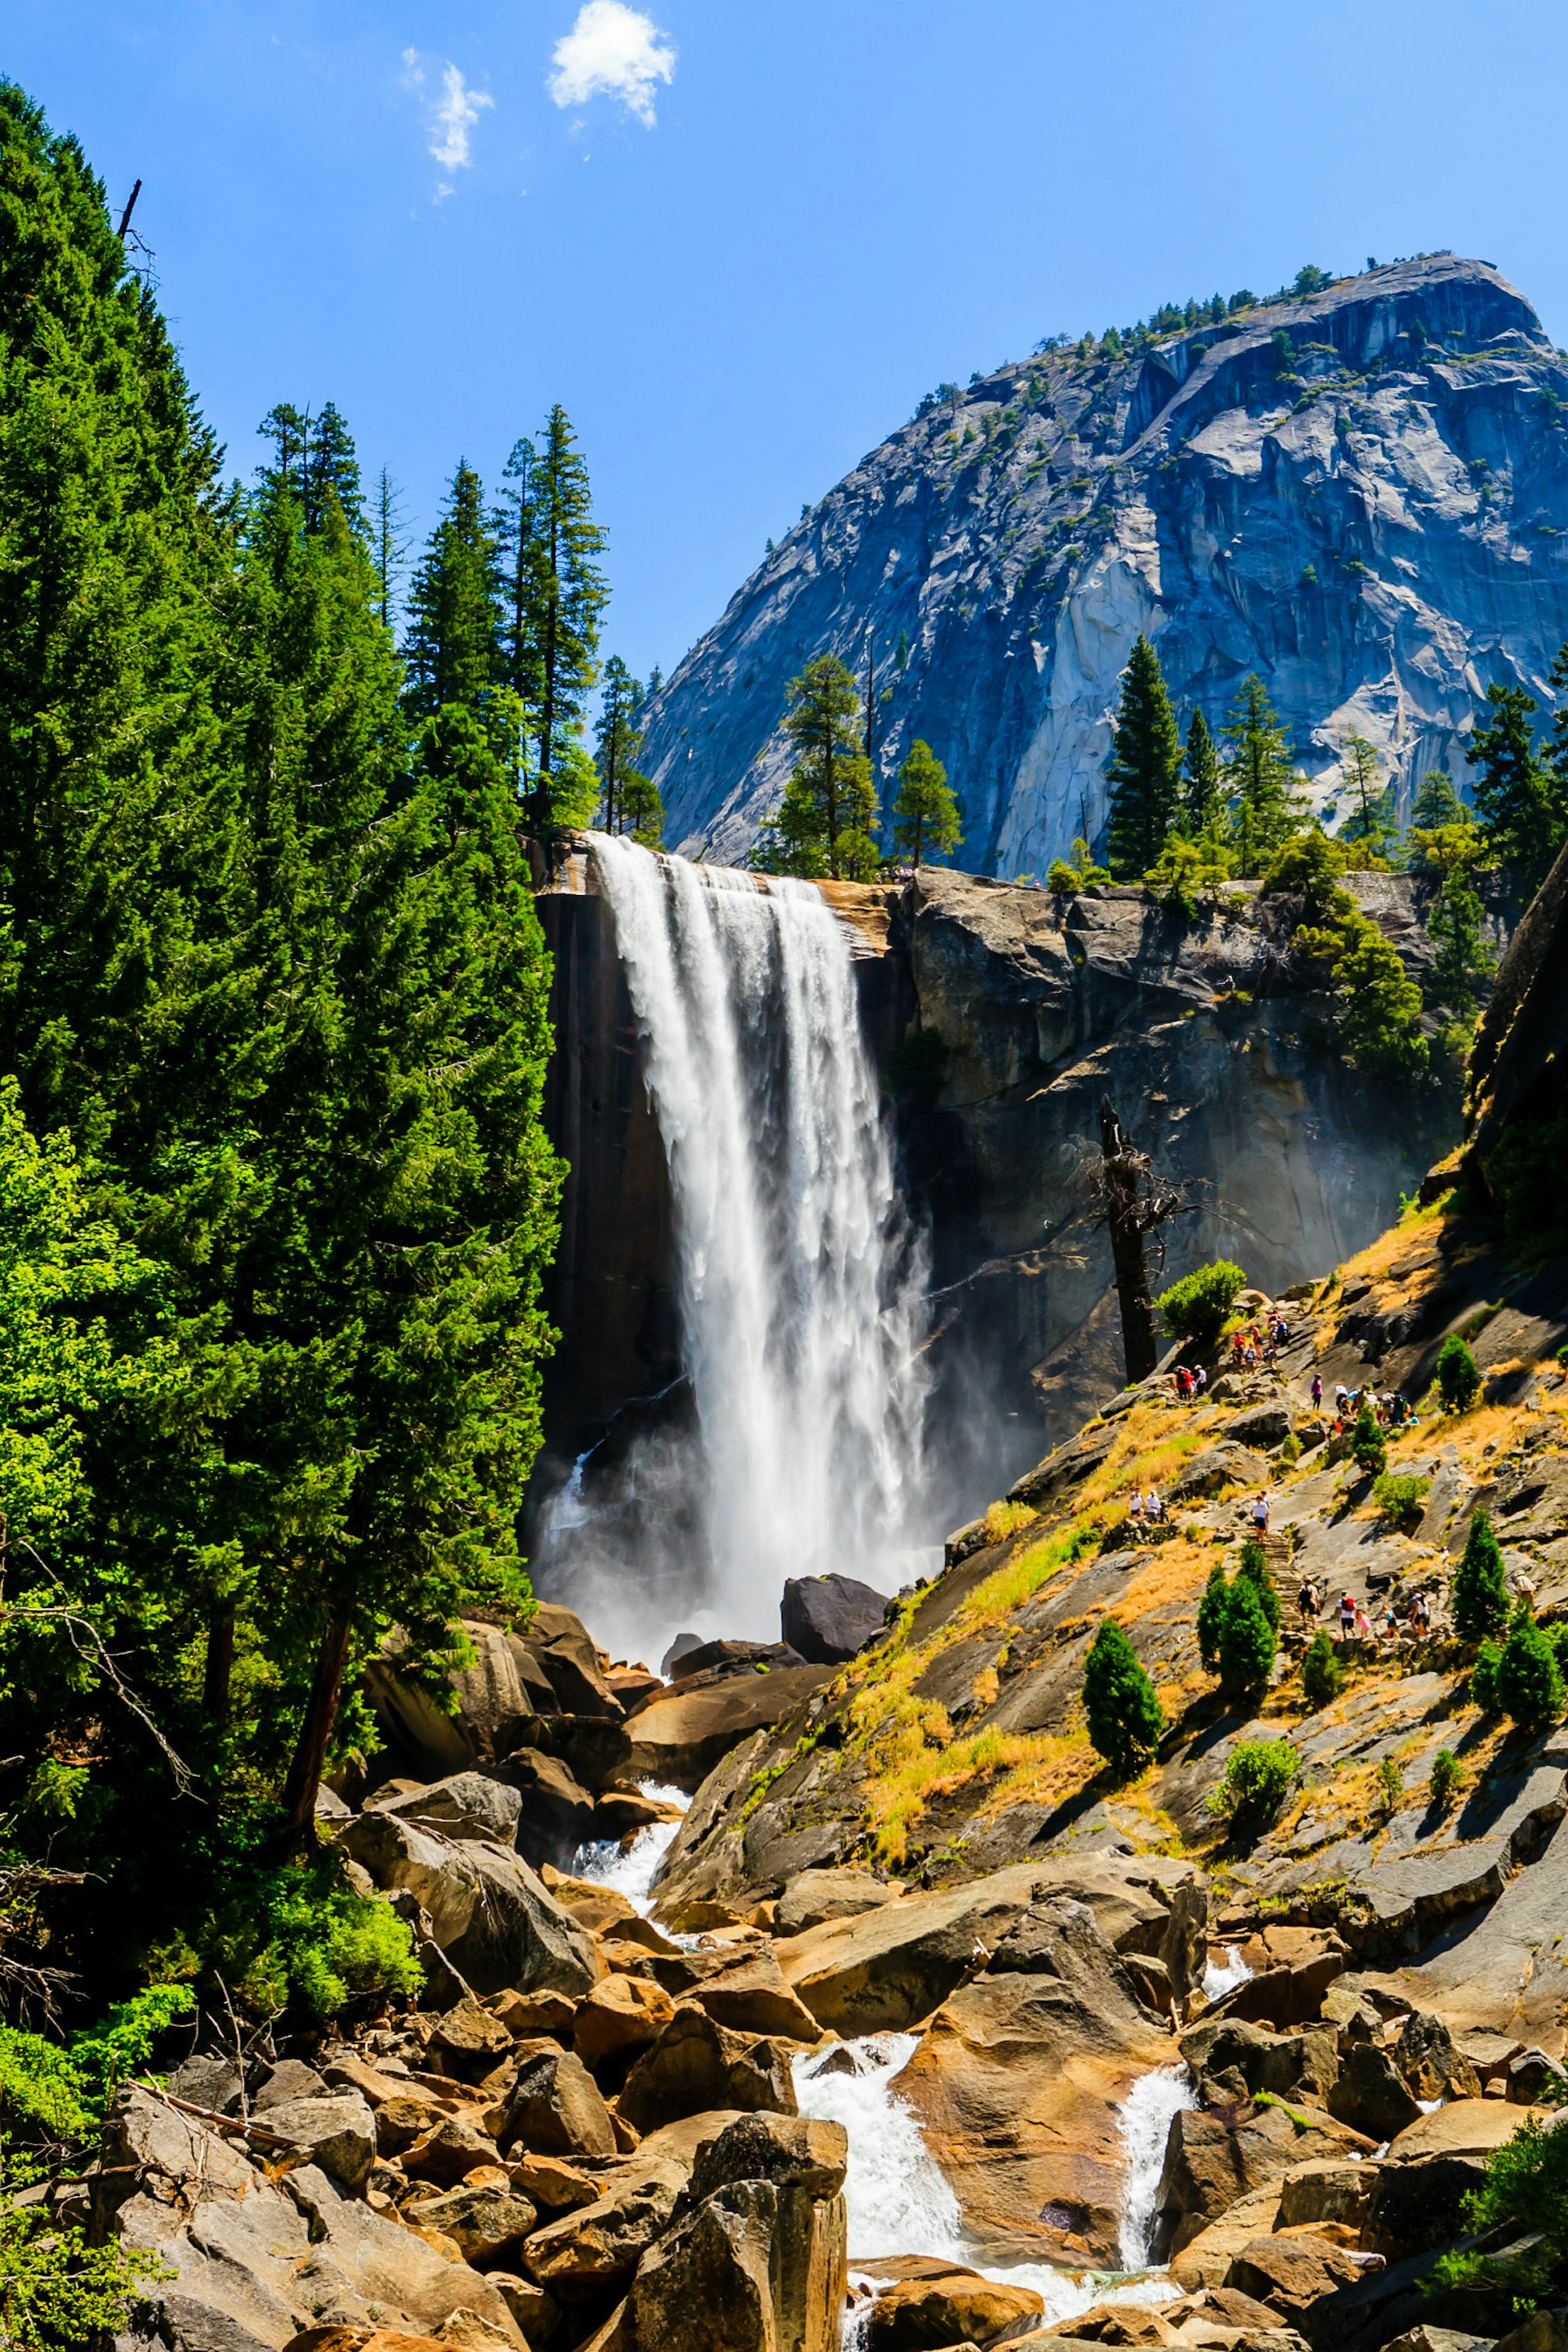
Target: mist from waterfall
800 1279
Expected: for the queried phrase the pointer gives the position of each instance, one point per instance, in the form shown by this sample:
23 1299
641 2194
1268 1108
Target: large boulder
955 2306
336 2131
759 2261
593 2250
554 2106
621 2014
829 1619
678 1740
462 1806
752 1996
488 1913
487 2224
1371 2094
697 2064
1019 2082
1213 2160
817 1897
495 1694
558 1640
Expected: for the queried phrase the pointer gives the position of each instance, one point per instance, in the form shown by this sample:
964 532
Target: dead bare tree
1138 1201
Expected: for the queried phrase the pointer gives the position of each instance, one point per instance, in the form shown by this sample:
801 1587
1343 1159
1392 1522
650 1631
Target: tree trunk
219 1668
1138 1344
321 1713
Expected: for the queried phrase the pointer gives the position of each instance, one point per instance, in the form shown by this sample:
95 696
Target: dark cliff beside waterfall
1363 496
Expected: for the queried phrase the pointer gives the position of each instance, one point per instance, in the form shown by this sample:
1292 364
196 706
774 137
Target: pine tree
619 738
1436 802
389 544
642 809
566 596
1211 1614
1125 1718
1369 1448
1260 776
824 821
453 650
1520 799
331 472
1323 1677
1457 1374
926 821
1464 962
1202 788
1247 1642
1479 1596
1254 1567
1370 826
1146 767
1529 1679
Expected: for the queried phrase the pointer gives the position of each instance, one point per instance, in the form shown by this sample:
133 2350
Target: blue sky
739 238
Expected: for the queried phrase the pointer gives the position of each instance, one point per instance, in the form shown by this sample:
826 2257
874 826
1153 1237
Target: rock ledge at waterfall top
1380 531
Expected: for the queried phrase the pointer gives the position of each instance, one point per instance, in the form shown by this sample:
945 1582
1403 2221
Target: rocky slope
1373 519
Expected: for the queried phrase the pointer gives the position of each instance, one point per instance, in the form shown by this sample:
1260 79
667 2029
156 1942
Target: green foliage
1211 1616
1463 963
1124 1716
1323 1677
1187 872
1369 1448
1253 1569
1458 1375
1256 1778
822 825
1390 1784
1146 767
1371 824
1308 865
1260 776
1195 1308
1247 1642
1479 1599
1381 1006
1484 1678
1524 2189
1524 1174
1064 876
58 2293
1401 1496
1521 798
61 2095
1529 1677
631 802
1203 802
926 821
1443 1780
548 550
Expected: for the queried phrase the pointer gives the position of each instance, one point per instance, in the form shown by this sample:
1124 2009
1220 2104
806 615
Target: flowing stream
800 1282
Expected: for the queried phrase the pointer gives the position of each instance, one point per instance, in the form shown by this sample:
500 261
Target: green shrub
1195 1308
1401 1496
1484 1678
1290 1448
1390 1784
1254 1569
1256 1779
1210 1616
1368 1445
58 2293
1458 1377
1125 1720
304 1937
1443 1780
1524 2187
61 2094
1248 1642
1323 1677
1529 1679
1479 1599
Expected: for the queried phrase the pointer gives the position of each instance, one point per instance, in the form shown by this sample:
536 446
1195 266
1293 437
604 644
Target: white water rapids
800 1283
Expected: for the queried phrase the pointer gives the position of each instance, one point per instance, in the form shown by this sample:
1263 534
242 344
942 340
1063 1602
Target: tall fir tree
926 820
564 595
1203 786
1521 800
454 650
1260 776
619 738
1145 768
824 822
1370 826
389 545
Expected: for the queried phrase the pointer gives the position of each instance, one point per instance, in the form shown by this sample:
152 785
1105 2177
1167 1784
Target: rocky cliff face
1375 518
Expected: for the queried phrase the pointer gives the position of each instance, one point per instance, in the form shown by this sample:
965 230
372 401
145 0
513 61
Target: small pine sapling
1368 1445
1479 1599
1248 1642
1528 1678
1323 1677
1125 1718
1443 1781
1211 1614
1253 1569
1459 1375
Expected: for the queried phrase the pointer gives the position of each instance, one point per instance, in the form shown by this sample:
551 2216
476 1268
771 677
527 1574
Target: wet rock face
1368 521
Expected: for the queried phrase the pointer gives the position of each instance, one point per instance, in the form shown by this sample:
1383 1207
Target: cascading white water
800 1283
1146 2113
631 1869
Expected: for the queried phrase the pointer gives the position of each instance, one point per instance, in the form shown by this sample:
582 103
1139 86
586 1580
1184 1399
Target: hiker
1135 1515
1307 1602
1390 1620
1363 1624
1200 1380
1347 1618
1423 1612
1316 1391
1341 1399
1153 1509
1260 1515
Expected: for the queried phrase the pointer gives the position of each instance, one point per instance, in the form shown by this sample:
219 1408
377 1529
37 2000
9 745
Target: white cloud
613 52
452 120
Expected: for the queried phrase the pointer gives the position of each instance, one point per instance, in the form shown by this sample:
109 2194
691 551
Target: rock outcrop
1361 495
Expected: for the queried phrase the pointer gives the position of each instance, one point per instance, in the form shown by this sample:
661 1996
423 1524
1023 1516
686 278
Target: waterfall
799 1280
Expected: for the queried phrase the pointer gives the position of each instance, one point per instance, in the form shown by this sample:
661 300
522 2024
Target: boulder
1326 2191
711 1661
464 1805
489 1912
681 1647
470 2040
621 2014
486 2225
830 1619
336 2131
1419 2205
1213 2160
554 2106
594 2250
495 1694
752 1996
558 1639
1287 1994
923 2315
1233 2059
697 2064
818 1895
1207 1473
761 2254
890 1968
289 2079
556 1811
554 2183
1290 2271
447 2152
1371 2094
676 1740
1425 2055
1264 1427
1463 2125
1205 2261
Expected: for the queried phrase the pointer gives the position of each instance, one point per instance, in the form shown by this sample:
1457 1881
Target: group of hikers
1145 1510
1356 1625
1249 1346
1391 1410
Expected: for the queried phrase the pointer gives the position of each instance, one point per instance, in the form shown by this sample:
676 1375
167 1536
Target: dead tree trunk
1126 1216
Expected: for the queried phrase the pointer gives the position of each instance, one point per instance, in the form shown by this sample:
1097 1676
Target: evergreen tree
1125 1718
1323 1677
824 821
1529 1679
1369 1448
619 738
332 473
1480 1597
1253 1567
1436 802
1463 963
1146 767
926 821
1210 1616
1370 826
1247 1642
1520 801
642 809
565 595
389 544
454 652
1459 1375
1260 776
1202 787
